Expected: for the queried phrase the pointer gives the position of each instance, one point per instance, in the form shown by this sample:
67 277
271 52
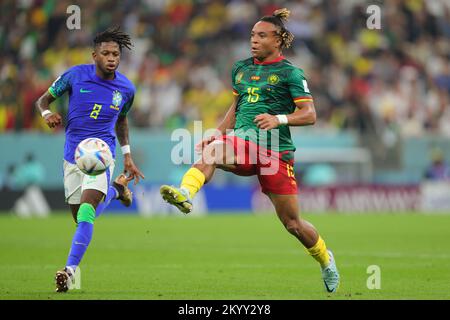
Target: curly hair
114 34
278 18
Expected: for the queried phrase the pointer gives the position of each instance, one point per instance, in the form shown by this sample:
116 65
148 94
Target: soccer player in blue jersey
99 100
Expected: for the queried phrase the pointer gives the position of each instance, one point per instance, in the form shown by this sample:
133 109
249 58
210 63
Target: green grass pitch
233 256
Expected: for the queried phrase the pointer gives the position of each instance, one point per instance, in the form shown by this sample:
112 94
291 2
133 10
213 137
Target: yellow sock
193 180
320 253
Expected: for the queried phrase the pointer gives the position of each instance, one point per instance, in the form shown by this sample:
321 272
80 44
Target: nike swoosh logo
83 244
328 288
84 91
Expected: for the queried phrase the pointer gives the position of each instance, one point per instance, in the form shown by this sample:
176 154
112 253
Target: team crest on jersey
117 98
239 77
273 79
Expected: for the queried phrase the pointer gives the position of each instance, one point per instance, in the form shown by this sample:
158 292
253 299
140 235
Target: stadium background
383 112
382 96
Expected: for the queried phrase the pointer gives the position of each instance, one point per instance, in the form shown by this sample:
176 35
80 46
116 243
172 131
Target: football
93 156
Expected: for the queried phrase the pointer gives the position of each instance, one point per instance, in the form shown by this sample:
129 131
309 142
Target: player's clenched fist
266 121
53 120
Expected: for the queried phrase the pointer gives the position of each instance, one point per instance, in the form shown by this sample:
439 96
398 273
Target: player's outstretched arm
52 119
228 122
122 135
304 115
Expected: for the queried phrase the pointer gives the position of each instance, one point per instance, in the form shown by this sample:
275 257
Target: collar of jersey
94 73
256 61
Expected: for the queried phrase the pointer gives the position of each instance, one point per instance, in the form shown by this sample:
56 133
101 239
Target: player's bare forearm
229 120
122 130
304 115
44 101
52 119
122 135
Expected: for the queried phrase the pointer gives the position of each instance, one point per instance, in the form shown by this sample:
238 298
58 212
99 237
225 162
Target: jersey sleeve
233 80
62 84
298 86
127 106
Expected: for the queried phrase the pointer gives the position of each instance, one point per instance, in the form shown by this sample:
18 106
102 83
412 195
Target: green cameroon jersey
268 87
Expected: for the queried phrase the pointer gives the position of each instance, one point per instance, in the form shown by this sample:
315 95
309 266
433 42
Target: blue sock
112 194
83 234
80 243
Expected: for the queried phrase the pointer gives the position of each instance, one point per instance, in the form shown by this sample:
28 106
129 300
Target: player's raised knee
86 213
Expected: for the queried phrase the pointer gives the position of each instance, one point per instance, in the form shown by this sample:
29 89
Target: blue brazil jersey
94 105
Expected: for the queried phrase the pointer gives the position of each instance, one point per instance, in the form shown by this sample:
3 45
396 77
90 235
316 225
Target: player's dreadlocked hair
114 34
278 18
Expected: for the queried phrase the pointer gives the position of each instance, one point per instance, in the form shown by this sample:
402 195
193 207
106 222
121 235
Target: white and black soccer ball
93 156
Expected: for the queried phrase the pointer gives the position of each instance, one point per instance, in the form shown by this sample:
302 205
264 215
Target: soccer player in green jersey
270 95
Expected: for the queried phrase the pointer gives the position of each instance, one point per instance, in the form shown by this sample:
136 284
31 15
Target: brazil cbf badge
117 98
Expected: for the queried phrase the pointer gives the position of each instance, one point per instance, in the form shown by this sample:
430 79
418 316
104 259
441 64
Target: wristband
45 113
282 118
126 149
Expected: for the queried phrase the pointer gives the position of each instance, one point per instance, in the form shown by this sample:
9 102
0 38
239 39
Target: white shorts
75 182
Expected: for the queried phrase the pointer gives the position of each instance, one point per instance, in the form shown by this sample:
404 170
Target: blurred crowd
387 82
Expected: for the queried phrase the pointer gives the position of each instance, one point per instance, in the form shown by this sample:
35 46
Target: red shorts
275 175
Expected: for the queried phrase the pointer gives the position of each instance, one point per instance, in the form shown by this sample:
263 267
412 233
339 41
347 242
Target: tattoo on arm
44 101
122 130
